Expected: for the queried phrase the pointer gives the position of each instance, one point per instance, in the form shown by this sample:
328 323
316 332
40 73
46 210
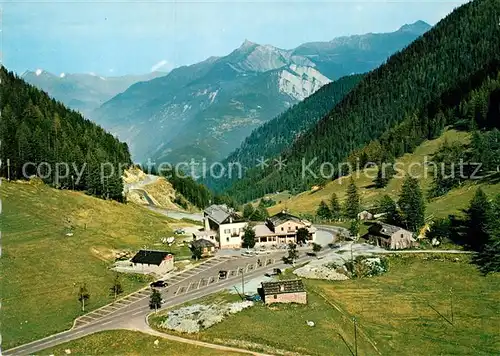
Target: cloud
161 64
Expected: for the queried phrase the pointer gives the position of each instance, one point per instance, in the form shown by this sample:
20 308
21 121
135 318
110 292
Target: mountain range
394 108
207 109
83 92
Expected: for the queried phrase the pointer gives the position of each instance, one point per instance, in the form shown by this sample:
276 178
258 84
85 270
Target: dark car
159 284
222 274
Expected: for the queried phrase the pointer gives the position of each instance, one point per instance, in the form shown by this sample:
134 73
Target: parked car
222 274
275 272
248 253
180 232
158 284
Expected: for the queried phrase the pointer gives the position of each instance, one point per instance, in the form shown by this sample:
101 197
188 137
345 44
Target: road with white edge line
130 312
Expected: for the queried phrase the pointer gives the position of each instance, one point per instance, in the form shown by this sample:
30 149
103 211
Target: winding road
131 311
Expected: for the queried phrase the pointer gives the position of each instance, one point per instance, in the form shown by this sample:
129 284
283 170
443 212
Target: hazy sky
124 37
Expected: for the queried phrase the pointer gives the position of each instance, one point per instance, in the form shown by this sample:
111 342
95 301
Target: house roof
220 213
262 230
150 257
385 229
202 243
283 217
204 233
281 287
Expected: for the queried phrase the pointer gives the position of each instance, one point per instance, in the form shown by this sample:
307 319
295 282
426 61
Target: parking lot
203 275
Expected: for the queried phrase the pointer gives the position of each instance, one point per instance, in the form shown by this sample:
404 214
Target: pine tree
477 221
353 203
387 206
248 211
248 239
488 259
354 228
412 204
384 175
335 208
155 300
323 211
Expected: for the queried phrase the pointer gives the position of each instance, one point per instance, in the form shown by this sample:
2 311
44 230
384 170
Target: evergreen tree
353 202
384 175
293 254
354 228
488 259
155 300
323 211
477 221
248 239
335 208
196 252
248 211
302 235
412 204
494 220
387 206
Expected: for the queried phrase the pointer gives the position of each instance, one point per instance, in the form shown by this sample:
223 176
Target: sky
114 37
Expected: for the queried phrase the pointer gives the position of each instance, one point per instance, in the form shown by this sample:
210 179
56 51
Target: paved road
130 315
130 311
174 214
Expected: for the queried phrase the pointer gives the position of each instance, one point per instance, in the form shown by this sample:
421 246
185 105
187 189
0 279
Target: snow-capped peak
38 72
62 75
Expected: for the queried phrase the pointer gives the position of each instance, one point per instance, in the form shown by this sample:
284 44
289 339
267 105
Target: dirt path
148 330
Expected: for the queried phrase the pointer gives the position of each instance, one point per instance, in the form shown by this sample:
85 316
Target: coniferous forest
403 101
274 136
40 136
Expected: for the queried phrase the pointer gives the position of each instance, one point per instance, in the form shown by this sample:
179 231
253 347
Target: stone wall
298 297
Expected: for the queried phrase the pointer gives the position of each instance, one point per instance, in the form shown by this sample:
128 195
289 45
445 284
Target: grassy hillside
403 312
42 267
307 202
125 342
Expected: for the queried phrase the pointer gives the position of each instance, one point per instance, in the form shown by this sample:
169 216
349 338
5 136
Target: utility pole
355 336
451 304
8 169
243 282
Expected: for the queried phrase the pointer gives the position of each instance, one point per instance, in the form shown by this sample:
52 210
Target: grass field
42 267
307 202
404 312
124 342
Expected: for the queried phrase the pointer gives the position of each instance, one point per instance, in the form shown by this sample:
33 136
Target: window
275 296
282 229
296 227
227 239
402 235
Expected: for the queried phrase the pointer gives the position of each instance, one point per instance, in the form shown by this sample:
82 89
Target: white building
282 229
222 225
148 261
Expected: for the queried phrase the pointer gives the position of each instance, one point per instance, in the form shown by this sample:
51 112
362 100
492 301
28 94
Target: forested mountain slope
39 134
207 109
274 136
455 49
